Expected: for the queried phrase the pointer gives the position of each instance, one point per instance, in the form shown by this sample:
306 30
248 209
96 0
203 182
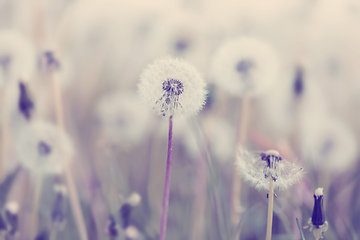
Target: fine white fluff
12 207
319 192
262 74
28 148
251 170
151 86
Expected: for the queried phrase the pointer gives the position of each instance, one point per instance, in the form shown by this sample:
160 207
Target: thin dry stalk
270 209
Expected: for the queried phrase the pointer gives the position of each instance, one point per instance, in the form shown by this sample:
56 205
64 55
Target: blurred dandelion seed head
245 65
17 57
124 118
43 148
172 87
256 170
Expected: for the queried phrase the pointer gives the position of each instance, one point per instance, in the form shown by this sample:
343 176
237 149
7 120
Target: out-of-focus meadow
83 157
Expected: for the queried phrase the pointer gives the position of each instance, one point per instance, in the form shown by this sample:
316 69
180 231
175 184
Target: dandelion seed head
327 140
43 148
256 170
124 119
172 87
17 56
245 65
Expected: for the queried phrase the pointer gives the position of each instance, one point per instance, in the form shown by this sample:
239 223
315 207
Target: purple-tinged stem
167 183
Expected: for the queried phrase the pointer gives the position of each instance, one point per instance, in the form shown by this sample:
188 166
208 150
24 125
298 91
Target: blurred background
82 157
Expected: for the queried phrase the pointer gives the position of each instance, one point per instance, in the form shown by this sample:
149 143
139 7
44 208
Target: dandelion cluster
179 103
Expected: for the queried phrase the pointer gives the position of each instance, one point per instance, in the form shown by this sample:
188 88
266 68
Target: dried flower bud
25 103
257 169
111 229
317 222
11 213
245 66
43 235
125 213
44 148
172 87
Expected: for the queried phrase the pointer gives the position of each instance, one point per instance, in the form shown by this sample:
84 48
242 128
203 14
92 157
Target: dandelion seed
172 87
245 65
44 148
256 170
318 225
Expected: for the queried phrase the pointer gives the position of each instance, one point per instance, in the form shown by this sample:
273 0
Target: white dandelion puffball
328 143
44 148
172 87
124 118
17 57
245 65
256 170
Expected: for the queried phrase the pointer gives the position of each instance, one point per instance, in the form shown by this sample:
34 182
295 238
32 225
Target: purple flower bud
12 219
25 103
125 212
112 231
44 148
318 214
51 59
43 235
299 81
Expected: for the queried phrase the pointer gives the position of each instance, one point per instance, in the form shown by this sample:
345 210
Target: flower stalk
270 209
167 183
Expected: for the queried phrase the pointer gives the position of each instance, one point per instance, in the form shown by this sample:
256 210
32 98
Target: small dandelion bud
245 65
318 225
172 87
43 235
26 105
134 199
111 229
44 148
50 60
125 213
11 213
257 169
299 81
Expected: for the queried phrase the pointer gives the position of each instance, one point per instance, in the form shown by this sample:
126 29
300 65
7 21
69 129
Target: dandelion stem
270 209
242 134
35 210
3 137
167 183
74 198
300 229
